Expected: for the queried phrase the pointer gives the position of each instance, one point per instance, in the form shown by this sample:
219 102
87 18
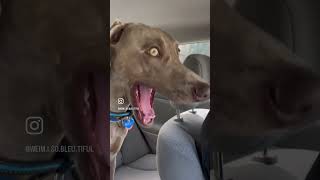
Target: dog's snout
201 91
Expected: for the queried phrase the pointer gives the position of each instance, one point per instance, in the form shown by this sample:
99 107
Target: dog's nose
201 91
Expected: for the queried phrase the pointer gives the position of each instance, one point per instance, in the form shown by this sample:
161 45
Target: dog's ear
116 31
116 23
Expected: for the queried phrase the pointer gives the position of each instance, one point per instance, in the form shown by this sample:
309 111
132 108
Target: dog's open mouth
143 97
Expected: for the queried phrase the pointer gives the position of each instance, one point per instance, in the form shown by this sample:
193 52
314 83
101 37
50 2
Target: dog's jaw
118 91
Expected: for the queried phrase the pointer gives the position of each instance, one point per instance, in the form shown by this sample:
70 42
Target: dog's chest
117 136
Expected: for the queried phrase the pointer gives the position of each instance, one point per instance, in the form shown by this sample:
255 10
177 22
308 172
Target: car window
201 47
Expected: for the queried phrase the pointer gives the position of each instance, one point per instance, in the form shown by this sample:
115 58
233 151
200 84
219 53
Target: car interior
188 22
164 151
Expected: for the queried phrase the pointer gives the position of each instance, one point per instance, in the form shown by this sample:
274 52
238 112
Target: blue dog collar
125 120
9 169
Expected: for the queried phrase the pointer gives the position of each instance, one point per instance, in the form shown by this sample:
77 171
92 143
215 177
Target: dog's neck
118 91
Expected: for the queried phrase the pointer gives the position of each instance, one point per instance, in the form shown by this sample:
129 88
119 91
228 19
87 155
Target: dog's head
260 85
149 59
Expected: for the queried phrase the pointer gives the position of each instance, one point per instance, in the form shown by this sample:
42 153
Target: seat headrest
199 64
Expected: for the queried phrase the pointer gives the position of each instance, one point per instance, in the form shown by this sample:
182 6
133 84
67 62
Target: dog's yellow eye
154 52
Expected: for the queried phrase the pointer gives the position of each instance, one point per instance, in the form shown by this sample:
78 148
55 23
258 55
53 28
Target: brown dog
260 86
52 59
145 60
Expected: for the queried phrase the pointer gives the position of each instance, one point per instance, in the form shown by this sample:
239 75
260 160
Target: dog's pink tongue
146 103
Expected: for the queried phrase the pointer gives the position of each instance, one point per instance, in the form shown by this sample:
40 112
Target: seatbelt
144 137
206 153
206 161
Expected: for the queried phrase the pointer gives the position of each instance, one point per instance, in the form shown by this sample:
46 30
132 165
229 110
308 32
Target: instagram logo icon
34 125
